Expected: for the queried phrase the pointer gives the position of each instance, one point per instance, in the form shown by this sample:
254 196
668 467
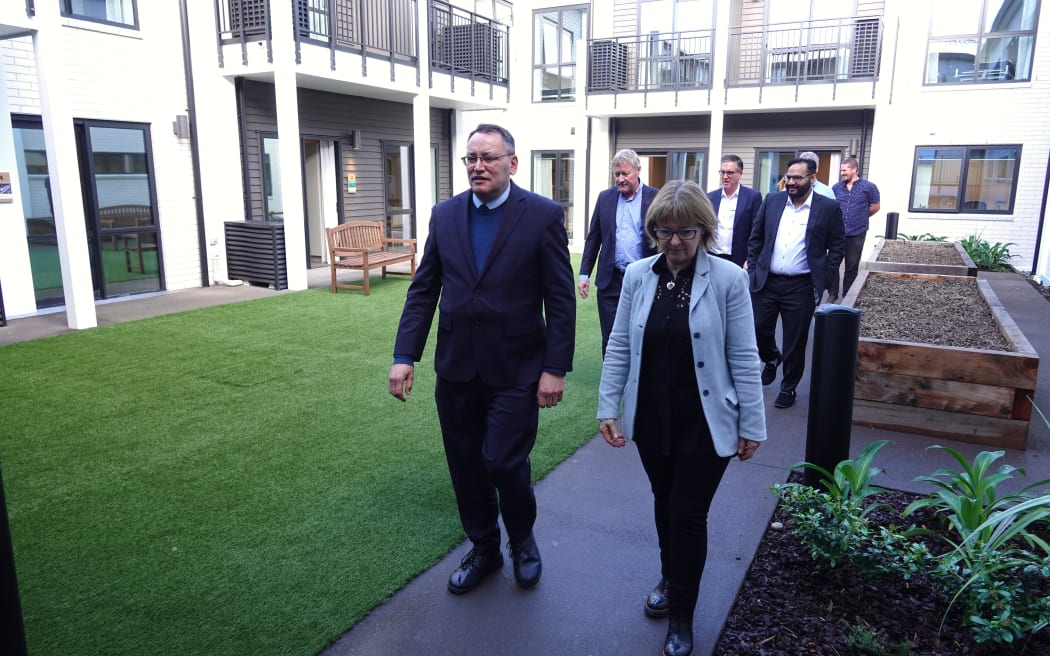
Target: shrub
987 256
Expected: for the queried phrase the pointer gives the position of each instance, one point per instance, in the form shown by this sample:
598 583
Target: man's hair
810 155
491 128
735 159
628 157
852 163
811 166
682 204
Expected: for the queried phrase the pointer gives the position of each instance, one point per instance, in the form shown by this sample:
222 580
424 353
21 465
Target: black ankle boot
679 640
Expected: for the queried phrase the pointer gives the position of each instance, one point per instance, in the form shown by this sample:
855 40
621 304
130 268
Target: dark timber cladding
324 115
660 134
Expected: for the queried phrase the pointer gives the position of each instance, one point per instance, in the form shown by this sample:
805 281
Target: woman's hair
682 204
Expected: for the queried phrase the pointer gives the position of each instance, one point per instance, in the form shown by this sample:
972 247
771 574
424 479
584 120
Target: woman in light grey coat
682 370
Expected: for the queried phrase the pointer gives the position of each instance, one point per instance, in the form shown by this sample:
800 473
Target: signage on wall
351 184
6 193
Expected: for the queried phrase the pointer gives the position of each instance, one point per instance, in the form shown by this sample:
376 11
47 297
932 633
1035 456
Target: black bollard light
891 224
836 332
11 627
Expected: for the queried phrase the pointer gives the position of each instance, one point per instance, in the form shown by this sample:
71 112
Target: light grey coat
728 370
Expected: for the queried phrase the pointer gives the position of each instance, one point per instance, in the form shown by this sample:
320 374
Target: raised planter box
971 395
965 267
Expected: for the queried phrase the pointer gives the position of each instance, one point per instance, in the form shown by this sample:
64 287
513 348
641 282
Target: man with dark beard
796 246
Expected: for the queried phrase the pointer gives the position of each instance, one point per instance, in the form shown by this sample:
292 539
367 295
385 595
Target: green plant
987 256
863 640
851 480
926 236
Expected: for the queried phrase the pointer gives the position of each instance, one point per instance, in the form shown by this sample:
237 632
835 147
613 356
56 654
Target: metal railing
381 28
819 51
671 61
468 45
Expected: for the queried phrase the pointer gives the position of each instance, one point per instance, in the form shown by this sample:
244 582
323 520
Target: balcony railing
468 45
832 50
380 28
672 61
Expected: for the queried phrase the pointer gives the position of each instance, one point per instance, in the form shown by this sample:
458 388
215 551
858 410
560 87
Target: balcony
673 61
383 29
468 45
819 51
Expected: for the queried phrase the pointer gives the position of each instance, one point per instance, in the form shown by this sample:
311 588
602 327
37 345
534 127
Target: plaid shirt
856 204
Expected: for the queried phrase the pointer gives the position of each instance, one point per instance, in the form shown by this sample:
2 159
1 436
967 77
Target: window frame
562 65
68 12
964 164
563 171
982 36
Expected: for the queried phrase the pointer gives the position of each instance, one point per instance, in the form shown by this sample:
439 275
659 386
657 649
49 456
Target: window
118 12
686 165
965 179
981 41
552 177
770 166
554 58
674 49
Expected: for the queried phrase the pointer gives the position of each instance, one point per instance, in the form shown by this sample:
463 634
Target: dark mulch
920 252
790 605
945 311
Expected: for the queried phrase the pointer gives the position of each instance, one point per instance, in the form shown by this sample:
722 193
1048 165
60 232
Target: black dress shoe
785 400
769 372
679 640
527 563
657 604
476 565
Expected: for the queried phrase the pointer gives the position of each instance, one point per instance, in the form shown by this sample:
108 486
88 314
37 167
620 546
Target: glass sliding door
400 215
120 210
31 160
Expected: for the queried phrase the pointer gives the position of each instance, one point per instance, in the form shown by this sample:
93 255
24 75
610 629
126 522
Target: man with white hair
818 186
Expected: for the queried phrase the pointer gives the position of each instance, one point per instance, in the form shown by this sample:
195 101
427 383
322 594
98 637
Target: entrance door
400 215
116 169
320 187
31 158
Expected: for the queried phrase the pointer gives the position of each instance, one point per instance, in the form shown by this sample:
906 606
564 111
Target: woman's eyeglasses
685 234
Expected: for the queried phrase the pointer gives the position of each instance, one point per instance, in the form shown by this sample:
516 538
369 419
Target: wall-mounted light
181 126
852 150
354 139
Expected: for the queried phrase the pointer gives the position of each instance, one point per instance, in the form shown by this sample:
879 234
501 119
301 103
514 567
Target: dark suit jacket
747 203
825 241
602 235
491 322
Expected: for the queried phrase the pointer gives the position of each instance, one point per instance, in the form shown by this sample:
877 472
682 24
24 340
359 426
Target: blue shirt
628 229
856 204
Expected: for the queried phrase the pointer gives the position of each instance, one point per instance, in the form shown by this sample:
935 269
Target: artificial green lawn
234 480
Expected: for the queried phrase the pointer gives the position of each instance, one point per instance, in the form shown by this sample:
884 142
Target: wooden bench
362 246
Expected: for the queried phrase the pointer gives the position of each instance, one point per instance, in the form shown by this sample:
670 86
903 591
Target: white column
423 173
15 267
63 169
719 72
289 142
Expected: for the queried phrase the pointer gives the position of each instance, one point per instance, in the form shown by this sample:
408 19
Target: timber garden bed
938 355
931 257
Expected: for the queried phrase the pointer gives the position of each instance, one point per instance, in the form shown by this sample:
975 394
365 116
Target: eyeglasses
685 234
724 173
471 160
796 178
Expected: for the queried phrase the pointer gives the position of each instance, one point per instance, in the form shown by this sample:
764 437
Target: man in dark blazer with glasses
496 269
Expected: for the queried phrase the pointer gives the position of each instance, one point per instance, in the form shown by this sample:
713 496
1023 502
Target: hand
550 390
746 448
607 428
584 286
833 298
400 381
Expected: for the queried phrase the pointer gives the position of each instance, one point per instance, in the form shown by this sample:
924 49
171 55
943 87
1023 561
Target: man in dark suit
736 207
497 262
616 237
796 245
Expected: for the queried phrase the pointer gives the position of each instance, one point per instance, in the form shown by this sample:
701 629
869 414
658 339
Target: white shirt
726 217
789 250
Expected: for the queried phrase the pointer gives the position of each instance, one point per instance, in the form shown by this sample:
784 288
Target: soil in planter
920 252
943 312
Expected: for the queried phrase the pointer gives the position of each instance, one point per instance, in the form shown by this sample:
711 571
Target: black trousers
854 247
683 486
488 433
608 299
790 299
